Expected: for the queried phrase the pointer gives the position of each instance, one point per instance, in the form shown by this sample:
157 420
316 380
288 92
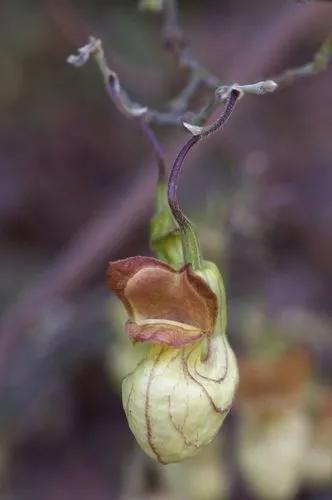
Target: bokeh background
76 187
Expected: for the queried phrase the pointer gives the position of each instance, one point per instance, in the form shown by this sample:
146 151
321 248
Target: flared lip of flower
165 306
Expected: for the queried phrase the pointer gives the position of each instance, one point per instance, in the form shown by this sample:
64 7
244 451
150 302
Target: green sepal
210 273
165 239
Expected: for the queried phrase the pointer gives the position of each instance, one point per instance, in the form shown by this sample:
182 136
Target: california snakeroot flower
180 392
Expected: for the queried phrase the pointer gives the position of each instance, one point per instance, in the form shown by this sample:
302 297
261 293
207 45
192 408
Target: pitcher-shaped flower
179 394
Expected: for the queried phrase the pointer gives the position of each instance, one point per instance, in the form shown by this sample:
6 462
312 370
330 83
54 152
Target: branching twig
119 96
131 109
198 76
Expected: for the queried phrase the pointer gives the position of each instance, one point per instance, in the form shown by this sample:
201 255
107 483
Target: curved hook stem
190 245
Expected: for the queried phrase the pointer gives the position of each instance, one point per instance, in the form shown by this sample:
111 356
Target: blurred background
76 187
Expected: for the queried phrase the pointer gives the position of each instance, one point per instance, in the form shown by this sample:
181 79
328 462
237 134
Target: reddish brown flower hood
165 306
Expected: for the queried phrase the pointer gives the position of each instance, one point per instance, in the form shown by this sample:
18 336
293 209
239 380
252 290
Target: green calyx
178 245
165 238
209 272
171 242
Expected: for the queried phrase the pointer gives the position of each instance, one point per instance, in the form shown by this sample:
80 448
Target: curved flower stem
134 111
233 96
190 245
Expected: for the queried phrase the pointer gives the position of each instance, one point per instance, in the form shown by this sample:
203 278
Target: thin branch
131 109
198 76
175 41
157 149
172 32
119 96
320 62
